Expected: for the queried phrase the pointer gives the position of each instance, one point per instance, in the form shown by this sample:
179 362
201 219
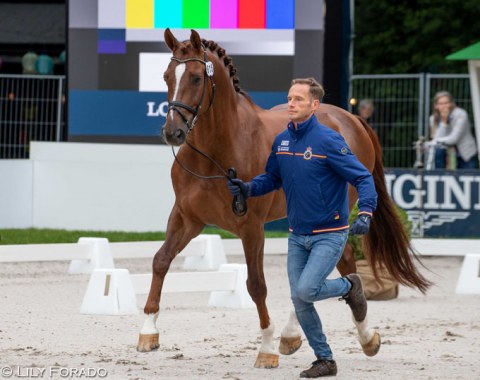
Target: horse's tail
387 244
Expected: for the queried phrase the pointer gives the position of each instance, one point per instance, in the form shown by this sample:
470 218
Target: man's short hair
316 89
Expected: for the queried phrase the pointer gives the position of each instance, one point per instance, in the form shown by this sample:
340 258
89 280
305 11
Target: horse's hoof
289 346
371 348
147 343
266 360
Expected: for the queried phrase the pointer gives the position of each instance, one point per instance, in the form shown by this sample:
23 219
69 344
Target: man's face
300 103
366 111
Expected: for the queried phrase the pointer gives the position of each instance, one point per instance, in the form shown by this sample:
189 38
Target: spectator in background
450 127
44 64
366 109
28 63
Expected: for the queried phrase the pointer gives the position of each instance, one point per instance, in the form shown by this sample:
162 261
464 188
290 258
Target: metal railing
402 108
32 108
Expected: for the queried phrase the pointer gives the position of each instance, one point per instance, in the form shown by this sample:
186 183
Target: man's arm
261 184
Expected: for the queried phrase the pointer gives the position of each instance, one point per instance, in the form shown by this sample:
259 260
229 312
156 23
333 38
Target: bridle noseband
175 106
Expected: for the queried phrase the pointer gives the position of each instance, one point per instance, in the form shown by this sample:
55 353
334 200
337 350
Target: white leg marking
364 334
149 326
292 329
179 71
267 346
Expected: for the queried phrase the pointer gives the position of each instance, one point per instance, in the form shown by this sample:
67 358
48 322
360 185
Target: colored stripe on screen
196 14
168 14
223 14
139 13
251 14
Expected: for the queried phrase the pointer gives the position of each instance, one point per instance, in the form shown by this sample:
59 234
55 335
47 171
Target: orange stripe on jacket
326 229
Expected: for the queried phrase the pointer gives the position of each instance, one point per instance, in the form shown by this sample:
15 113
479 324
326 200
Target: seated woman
450 127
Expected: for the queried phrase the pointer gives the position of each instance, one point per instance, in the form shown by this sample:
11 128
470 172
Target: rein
239 203
224 173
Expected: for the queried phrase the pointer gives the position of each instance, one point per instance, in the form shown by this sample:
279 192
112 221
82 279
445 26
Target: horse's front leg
253 243
179 234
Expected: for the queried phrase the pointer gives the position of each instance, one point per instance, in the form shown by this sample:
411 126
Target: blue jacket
313 164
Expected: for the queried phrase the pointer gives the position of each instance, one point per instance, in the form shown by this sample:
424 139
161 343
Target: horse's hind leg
369 338
347 264
179 233
253 243
291 337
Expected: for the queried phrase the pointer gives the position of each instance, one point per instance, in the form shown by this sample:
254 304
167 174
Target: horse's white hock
268 346
292 328
291 338
364 334
150 324
369 339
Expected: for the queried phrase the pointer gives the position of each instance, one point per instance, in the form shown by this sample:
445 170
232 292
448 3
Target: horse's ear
170 39
196 41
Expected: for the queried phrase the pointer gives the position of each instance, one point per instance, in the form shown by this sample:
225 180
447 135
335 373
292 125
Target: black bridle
239 205
175 106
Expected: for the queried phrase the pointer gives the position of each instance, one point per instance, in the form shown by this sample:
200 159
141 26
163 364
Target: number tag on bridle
209 68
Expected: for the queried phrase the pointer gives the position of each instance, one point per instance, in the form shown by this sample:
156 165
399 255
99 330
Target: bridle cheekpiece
175 105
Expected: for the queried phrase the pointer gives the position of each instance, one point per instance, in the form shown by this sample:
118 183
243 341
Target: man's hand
237 186
361 225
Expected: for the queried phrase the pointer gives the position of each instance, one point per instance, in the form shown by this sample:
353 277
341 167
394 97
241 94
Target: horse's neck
224 126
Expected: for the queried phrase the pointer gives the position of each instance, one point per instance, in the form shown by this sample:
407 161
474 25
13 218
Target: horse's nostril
179 134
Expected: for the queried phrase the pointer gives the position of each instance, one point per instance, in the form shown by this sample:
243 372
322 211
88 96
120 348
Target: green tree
413 36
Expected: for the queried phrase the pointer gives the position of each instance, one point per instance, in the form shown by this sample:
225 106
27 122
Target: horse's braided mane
227 60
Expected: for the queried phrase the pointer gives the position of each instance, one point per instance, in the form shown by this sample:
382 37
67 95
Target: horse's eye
196 80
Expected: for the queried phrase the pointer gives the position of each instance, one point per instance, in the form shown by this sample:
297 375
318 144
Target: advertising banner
439 203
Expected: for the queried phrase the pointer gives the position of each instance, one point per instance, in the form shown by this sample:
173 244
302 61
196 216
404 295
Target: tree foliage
412 36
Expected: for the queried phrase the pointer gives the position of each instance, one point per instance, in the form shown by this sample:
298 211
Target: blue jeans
440 158
311 258
472 163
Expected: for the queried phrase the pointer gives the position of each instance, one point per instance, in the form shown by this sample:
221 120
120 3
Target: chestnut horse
219 127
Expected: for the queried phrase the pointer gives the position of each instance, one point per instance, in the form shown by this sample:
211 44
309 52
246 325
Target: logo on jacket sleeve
308 153
283 147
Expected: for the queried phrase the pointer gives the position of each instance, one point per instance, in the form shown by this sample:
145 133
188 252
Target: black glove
237 186
361 225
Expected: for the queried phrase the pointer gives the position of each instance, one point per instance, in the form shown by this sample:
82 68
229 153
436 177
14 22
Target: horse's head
189 78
